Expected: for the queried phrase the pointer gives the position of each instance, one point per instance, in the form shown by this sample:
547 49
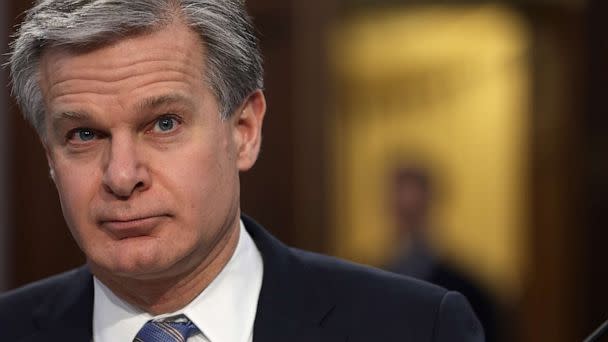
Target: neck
169 294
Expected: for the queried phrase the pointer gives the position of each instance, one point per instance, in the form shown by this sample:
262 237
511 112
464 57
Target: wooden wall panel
41 243
595 170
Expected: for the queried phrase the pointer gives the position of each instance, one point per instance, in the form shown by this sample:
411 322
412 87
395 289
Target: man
413 196
148 110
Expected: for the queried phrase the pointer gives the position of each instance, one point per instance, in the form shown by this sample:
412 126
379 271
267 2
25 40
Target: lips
123 228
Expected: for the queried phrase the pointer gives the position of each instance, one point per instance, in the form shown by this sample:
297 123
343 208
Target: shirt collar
224 311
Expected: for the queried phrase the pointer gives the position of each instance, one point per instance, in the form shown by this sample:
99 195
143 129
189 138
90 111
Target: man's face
146 170
411 204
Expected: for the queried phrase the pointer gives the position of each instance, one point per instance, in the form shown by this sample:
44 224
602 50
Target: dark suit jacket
483 304
450 277
305 297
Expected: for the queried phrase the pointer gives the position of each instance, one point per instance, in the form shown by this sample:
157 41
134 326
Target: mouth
124 228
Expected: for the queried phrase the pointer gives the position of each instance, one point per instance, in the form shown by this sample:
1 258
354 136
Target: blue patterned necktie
166 331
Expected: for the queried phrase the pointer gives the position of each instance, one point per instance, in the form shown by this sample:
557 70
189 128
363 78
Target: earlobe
248 130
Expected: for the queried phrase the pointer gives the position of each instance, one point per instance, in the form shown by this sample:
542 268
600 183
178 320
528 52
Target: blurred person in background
412 198
148 111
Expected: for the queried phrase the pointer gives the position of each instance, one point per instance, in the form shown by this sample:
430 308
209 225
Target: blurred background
458 141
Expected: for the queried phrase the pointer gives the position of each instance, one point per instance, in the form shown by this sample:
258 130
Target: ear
49 160
247 129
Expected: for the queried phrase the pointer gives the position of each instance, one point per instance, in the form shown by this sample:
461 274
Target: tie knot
167 331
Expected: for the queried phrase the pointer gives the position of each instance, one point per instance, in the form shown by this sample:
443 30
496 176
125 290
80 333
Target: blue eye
165 124
80 135
86 135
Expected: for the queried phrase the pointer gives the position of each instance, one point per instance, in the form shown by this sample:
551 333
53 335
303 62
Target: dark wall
595 172
5 242
552 287
42 244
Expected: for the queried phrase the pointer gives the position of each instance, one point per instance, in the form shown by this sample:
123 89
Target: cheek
207 181
76 189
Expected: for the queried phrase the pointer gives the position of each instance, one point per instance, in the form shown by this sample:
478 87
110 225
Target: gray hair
234 63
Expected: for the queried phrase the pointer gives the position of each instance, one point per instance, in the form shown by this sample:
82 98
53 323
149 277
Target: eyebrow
69 116
163 100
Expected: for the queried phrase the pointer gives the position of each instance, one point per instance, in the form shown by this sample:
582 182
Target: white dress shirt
224 311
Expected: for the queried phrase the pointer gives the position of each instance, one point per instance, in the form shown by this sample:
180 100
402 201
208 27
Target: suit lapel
293 300
67 315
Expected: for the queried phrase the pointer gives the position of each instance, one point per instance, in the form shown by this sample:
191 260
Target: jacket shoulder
19 307
380 305
31 294
351 280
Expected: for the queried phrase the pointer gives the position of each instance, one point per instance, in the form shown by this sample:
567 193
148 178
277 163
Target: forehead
175 50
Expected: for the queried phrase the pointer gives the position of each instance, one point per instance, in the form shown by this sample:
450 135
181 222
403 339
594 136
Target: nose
125 172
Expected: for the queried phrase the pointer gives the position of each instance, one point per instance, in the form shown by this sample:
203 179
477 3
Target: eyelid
175 116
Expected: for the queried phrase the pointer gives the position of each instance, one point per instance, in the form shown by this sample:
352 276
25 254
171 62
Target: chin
138 262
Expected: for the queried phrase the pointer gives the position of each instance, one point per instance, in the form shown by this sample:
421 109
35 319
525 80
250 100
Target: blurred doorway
447 87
